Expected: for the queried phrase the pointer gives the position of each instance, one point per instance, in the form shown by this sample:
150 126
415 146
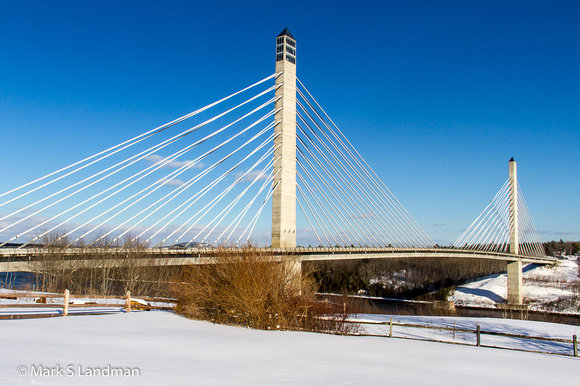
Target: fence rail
92 301
478 333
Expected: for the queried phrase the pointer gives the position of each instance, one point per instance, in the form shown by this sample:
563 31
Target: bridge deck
12 260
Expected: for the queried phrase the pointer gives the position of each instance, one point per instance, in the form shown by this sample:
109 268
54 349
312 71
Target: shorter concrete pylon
514 268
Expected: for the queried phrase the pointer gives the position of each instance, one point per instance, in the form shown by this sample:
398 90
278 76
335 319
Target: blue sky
436 95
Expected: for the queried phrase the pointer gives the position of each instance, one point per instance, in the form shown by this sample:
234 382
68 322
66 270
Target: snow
164 348
168 349
395 280
484 292
566 270
509 326
542 285
140 301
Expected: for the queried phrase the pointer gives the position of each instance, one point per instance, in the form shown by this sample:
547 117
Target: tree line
410 278
553 247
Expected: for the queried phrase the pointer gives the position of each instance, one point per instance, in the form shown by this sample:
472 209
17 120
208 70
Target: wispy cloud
251 176
173 164
93 235
439 225
558 233
174 182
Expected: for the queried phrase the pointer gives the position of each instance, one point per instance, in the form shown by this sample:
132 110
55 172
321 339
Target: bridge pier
295 271
514 282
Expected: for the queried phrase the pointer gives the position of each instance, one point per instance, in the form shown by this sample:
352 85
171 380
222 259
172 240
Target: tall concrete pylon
514 268
284 197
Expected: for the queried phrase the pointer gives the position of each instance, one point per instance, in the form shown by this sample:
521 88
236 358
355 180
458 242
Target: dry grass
253 288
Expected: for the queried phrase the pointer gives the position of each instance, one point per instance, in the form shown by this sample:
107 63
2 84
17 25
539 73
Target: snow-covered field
154 348
161 348
543 287
493 325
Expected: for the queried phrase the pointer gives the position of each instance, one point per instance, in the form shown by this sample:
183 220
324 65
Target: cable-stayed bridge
264 165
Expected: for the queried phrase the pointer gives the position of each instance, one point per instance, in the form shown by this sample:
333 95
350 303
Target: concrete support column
514 269
514 282
295 270
284 197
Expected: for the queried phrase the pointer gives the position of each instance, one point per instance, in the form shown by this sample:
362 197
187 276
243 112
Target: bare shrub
253 288
101 267
563 303
52 262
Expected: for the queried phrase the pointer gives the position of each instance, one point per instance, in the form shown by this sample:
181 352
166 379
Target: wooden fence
129 303
40 300
477 331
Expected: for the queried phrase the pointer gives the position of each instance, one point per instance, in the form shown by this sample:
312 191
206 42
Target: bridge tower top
284 181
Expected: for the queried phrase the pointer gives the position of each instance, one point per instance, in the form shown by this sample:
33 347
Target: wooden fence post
391 327
575 343
478 336
128 302
65 304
